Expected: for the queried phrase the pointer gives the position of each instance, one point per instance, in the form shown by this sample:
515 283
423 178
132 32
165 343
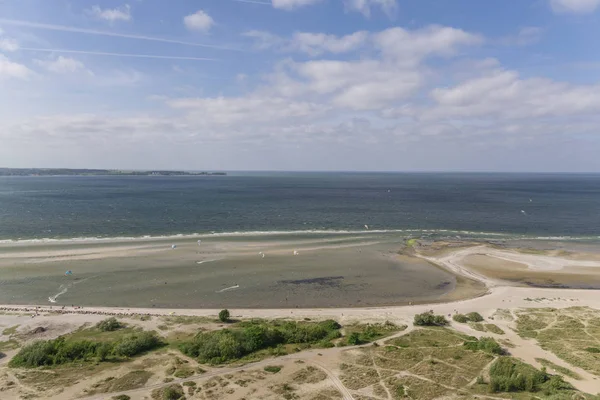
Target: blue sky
389 85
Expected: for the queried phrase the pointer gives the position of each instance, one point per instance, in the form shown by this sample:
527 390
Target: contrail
64 28
102 53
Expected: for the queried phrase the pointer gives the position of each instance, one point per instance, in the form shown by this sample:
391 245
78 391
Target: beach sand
478 266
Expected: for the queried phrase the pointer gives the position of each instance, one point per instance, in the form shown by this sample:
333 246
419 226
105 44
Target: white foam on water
228 288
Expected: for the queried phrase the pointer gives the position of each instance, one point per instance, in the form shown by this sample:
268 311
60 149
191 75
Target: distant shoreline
98 172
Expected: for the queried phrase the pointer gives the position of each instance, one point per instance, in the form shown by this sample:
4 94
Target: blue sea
420 204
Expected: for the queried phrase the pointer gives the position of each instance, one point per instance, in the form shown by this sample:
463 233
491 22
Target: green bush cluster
370 332
474 317
109 325
470 317
63 351
224 315
231 344
510 375
429 319
462 318
485 344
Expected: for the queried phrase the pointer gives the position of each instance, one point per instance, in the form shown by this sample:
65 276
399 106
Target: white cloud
574 6
315 44
412 46
503 94
122 13
526 36
365 6
9 69
292 4
265 40
64 65
199 21
7 44
248 109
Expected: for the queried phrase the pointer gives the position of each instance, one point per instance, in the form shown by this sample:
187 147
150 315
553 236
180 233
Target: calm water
67 207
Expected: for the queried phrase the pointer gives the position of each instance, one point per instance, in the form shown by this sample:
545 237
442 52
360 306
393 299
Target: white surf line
228 288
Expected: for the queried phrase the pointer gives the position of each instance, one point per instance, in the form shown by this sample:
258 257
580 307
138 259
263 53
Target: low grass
129 381
309 374
9 345
10 331
560 370
477 326
494 329
428 337
97 335
365 333
570 333
171 392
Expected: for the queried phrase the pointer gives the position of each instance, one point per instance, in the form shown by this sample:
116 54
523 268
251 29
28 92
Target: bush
171 392
273 368
510 375
354 339
121 397
62 351
592 350
109 325
135 344
485 344
429 319
474 317
460 318
230 344
224 315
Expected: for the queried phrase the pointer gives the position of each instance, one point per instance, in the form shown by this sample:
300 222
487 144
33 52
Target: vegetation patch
366 333
232 344
10 331
109 325
273 368
485 344
63 351
309 374
560 370
510 375
129 381
430 319
171 392
494 329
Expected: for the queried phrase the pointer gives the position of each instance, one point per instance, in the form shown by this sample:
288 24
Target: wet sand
235 272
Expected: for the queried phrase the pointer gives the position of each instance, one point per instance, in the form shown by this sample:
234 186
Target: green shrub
109 325
136 343
485 344
62 351
230 344
429 319
510 375
460 318
121 397
474 317
273 368
224 315
354 339
171 392
592 350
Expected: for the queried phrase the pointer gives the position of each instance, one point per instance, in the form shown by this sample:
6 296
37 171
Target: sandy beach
479 265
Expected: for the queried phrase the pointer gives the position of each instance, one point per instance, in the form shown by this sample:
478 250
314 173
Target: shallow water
341 272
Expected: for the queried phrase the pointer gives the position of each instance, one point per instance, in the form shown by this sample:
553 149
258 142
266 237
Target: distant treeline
67 171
